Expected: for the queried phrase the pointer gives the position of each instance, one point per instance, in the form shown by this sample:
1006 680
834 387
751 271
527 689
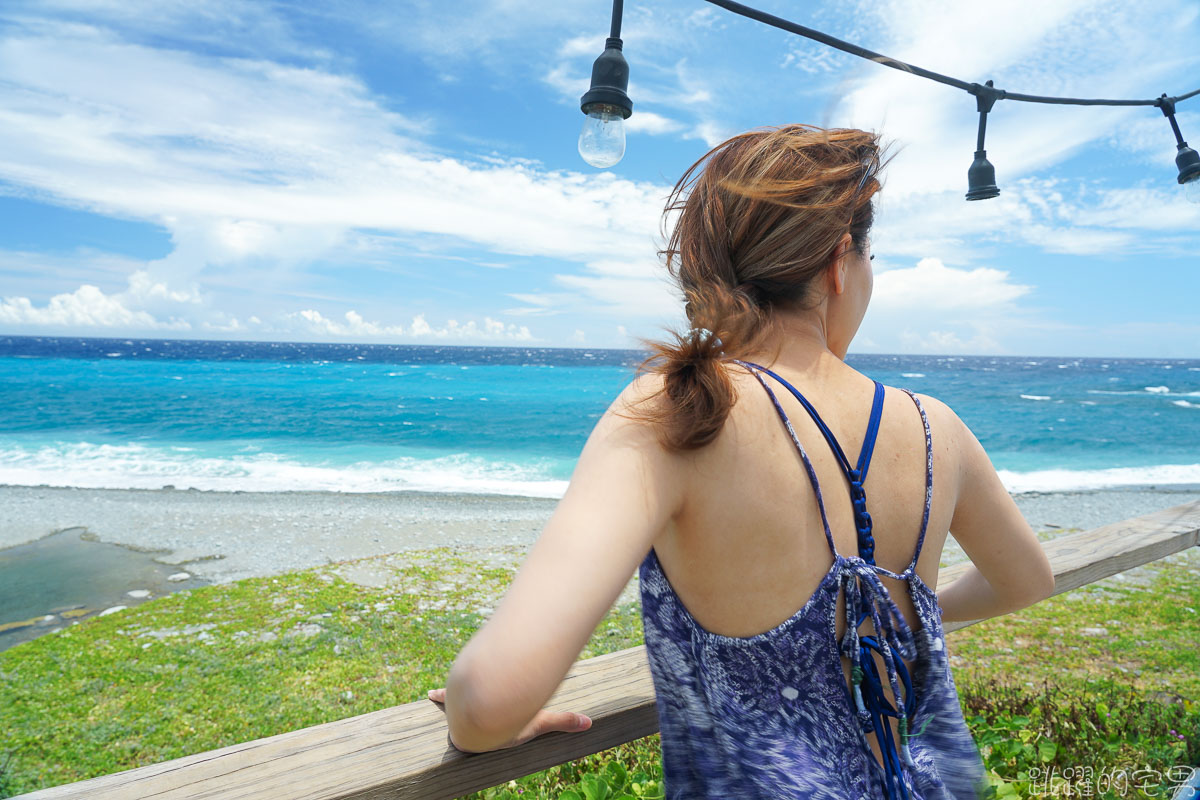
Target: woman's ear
837 264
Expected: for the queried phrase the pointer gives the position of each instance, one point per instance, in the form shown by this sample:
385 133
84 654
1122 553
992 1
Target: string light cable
607 106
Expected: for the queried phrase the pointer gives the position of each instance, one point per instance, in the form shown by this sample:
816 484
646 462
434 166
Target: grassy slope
224 664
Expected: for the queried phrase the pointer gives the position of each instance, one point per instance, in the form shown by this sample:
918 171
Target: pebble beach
225 536
115 548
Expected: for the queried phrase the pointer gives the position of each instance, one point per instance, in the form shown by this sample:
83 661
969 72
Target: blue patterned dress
771 715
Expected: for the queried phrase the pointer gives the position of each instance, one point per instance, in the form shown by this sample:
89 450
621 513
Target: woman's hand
544 722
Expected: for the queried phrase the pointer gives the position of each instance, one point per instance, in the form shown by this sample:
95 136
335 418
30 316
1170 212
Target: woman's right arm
1009 569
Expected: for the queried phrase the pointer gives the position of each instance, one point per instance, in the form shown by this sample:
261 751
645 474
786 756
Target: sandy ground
225 536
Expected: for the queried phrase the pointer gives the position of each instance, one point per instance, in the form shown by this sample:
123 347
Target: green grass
224 664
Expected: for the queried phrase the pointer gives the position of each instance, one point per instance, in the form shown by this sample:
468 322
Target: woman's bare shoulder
940 414
634 416
640 403
951 438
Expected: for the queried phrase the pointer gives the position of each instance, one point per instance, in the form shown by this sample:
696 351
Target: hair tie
703 337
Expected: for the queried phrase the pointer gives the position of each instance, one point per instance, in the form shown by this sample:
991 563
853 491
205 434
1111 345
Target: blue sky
407 171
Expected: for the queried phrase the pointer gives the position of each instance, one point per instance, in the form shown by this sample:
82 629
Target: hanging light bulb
1187 160
602 140
1191 190
981 176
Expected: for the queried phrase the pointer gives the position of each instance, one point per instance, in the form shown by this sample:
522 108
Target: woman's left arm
625 489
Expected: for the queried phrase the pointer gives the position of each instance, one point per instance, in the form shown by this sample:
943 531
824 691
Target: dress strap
928 481
854 475
808 467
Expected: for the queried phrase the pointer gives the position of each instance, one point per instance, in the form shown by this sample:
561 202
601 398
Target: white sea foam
134 466
1184 404
913 374
1155 390
1035 397
1067 480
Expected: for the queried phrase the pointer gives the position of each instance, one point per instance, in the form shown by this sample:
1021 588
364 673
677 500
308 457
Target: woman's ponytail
698 392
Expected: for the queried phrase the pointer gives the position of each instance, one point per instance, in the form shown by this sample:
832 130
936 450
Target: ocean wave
1149 390
133 466
1068 480
1035 397
913 374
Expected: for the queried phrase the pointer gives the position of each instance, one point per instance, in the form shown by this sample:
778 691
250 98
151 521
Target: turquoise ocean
278 416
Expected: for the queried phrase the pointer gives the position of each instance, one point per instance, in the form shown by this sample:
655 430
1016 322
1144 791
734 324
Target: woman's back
749 548
745 607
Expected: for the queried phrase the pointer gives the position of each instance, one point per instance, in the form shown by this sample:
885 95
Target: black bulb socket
981 178
610 80
1188 162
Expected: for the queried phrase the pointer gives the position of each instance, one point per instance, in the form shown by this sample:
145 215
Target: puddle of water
67 576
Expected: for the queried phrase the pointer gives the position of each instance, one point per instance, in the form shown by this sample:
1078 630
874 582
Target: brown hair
759 218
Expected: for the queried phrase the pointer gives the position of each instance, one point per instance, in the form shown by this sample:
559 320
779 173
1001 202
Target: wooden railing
403 752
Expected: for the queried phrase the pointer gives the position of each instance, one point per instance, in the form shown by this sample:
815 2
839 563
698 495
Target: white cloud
706 17
628 297
932 308
932 286
816 59
311 321
1078 241
710 132
1160 209
1151 136
244 26
450 35
581 46
939 341
354 326
258 182
651 123
570 82
544 304
89 307
492 330
146 290
149 305
48 273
